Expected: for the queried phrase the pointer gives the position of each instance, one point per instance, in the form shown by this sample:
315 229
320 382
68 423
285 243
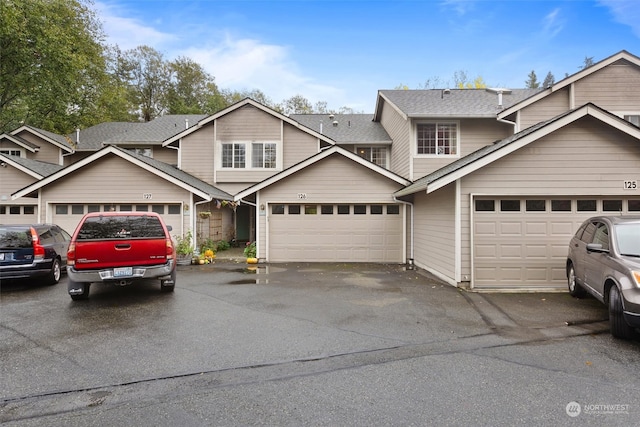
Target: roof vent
335 123
331 116
186 123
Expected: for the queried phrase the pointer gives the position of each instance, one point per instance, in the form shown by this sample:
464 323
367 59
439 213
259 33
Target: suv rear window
121 227
15 237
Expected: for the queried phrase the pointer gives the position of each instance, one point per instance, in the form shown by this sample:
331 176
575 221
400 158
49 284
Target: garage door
522 242
68 216
335 233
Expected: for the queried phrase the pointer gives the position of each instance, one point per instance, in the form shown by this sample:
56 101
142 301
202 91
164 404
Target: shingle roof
60 139
454 102
123 133
20 140
41 168
349 128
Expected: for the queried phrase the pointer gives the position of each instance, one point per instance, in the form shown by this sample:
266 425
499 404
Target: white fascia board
45 137
16 141
8 161
99 154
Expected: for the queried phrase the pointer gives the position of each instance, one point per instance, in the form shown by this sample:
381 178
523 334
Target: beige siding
614 88
335 179
434 235
197 152
12 180
545 109
474 134
48 152
297 146
167 155
248 123
399 130
585 158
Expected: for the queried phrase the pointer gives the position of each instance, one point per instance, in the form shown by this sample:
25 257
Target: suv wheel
78 291
575 290
619 328
56 271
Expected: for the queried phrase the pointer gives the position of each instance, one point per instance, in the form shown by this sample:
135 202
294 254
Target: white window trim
435 156
248 153
19 150
370 147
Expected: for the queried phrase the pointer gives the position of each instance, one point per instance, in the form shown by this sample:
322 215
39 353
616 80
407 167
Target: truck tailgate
117 253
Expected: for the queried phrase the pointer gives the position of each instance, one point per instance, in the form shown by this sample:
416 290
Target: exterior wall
474 134
601 158
297 146
11 180
335 179
434 232
218 226
48 152
615 88
166 155
75 157
399 130
197 153
546 108
103 182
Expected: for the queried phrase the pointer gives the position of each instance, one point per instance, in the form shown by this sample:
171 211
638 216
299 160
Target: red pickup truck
120 248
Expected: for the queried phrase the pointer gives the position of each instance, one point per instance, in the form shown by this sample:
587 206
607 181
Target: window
437 138
142 208
536 205
561 205
11 152
393 210
586 206
612 205
143 151
294 209
510 205
633 118
126 208
29 210
376 209
93 208
277 209
62 209
159 209
377 155
485 205
344 210
310 209
360 209
263 155
601 236
326 209
174 209
634 205
14 210
77 209
233 156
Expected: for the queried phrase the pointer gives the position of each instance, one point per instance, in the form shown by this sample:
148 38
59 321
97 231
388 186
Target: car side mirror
596 247
169 228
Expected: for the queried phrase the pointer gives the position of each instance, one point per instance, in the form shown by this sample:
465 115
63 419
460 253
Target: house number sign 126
631 185
302 196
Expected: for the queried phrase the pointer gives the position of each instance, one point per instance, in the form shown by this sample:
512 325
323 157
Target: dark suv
33 251
120 248
604 260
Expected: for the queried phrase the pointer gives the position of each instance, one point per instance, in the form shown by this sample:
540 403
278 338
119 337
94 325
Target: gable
248 123
11 179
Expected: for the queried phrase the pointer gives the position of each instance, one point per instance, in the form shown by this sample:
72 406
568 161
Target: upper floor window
377 155
233 155
440 139
263 155
143 151
633 118
255 155
11 152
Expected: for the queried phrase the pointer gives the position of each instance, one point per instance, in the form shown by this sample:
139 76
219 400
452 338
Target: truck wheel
619 328
78 291
167 285
54 275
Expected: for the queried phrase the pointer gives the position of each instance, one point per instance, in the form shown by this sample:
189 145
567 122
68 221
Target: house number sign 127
147 196
631 185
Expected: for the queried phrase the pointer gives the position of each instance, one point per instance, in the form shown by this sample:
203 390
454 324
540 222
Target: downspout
411 226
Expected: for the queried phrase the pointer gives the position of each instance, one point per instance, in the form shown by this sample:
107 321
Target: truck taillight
71 254
169 249
38 249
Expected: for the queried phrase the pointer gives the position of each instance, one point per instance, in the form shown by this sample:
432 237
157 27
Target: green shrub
250 250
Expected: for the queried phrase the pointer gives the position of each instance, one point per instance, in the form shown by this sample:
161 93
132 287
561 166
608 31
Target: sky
343 52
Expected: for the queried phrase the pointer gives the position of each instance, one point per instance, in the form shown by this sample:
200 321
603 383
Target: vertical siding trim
471 242
458 235
216 153
257 220
572 96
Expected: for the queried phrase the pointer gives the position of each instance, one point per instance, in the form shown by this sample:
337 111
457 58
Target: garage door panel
511 228
335 238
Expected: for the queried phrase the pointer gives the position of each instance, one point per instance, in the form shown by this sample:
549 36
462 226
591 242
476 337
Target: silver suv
604 260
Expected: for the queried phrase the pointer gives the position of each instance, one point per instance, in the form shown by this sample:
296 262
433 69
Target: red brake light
38 249
71 254
169 249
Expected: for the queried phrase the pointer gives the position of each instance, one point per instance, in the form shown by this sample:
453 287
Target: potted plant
250 253
184 248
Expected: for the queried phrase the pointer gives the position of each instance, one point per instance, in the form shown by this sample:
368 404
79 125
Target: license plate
123 272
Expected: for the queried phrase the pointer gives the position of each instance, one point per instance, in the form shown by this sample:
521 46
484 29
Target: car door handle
123 246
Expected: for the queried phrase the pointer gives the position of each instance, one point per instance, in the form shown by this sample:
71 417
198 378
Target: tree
549 80
51 63
532 82
147 75
297 104
588 62
190 88
461 81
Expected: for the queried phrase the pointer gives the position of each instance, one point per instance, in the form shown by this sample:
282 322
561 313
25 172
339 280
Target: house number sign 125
631 185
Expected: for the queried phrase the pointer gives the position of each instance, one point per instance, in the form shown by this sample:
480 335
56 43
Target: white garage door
68 216
523 242
335 233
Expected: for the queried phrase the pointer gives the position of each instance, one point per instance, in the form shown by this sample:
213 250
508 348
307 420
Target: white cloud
626 12
128 33
552 24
